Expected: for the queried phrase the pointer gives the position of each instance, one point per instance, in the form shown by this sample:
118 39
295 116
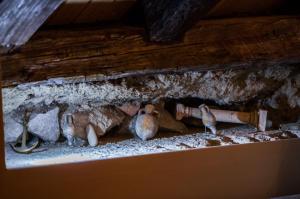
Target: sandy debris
60 153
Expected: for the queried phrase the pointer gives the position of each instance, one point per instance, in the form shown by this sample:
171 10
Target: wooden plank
67 12
20 19
231 8
108 10
167 19
89 11
122 51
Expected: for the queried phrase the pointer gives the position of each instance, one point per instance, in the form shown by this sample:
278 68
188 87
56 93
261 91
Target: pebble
91 136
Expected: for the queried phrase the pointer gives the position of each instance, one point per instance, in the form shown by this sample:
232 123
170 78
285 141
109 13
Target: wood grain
20 19
168 19
90 11
121 51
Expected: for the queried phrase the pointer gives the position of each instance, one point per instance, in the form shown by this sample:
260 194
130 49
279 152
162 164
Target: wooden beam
122 51
19 20
167 19
229 8
90 11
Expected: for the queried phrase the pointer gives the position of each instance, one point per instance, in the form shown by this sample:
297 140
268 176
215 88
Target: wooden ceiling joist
19 20
166 19
210 45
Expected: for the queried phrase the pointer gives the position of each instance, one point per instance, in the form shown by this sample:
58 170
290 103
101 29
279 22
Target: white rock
91 135
45 125
12 129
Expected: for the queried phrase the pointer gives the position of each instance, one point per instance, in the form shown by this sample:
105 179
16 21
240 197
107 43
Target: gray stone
45 125
12 129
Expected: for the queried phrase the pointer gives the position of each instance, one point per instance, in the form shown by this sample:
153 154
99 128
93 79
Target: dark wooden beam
19 20
122 51
167 19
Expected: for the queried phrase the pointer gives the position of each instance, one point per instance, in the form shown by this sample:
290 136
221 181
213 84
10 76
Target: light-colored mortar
223 87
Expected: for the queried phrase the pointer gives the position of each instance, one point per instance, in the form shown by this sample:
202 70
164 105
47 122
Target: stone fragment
45 125
12 129
91 135
223 87
130 108
102 118
105 118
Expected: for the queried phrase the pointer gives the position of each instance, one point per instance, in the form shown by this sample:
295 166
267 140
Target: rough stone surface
45 125
223 87
284 104
130 108
276 87
105 118
289 90
102 118
12 129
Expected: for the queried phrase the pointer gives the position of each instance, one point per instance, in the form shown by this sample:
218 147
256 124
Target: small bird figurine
69 129
208 118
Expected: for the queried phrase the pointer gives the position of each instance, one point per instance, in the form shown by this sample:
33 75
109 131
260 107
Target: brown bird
208 118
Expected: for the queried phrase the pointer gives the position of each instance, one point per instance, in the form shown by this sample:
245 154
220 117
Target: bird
208 118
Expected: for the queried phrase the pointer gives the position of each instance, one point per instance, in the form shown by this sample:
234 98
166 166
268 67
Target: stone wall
274 88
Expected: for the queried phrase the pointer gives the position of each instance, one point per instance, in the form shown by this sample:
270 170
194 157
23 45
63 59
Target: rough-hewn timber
20 19
119 52
167 19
